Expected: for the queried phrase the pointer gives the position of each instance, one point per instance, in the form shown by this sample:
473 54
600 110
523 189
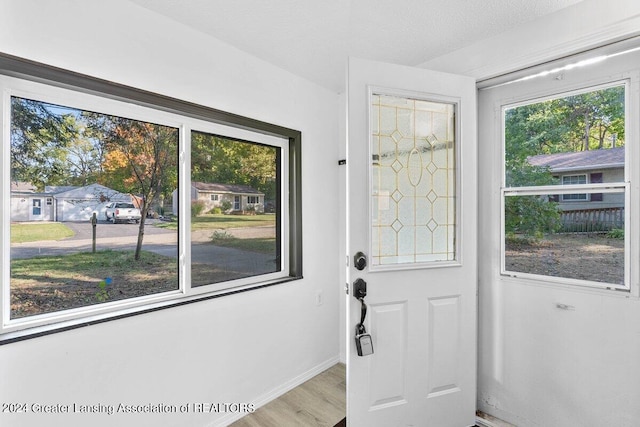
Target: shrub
215 211
515 241
197 208
225 205
531 216
103 294
219 236
616 233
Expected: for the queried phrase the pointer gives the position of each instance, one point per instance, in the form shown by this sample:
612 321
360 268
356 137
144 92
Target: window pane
576 140
574 179
413 181
542 239
575 135
87 164
235 209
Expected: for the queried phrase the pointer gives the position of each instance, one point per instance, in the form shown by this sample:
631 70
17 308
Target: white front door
36 210
412 212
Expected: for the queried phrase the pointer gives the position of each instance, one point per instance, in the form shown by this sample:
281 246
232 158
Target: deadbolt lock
360 261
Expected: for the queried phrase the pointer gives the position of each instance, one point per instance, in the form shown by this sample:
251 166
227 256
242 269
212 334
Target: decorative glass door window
413 180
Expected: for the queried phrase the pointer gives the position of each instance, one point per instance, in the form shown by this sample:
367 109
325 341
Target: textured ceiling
313 38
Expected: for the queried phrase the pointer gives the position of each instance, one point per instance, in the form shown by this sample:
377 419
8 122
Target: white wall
540 365
237 348
573 29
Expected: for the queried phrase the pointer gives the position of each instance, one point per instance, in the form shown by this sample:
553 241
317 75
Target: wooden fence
592 220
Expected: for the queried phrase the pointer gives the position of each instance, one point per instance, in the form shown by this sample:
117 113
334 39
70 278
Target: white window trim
15 329
458 243
185 225
543 191
619 187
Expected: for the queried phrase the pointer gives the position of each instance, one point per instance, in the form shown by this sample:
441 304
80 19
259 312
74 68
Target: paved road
108 236
158 240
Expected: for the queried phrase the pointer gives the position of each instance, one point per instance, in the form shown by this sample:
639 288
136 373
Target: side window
564 188
103 193
236 240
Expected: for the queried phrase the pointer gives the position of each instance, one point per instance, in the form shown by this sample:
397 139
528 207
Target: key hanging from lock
364 343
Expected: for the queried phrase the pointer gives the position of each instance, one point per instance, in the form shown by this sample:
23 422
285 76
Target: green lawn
33 232
221 221
264 245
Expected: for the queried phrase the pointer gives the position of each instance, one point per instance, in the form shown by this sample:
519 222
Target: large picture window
565 189
101 170
150 202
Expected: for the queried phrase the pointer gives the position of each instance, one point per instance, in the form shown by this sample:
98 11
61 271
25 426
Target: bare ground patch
53 283
592 257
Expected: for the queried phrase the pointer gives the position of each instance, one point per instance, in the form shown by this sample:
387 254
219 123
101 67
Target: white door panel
411 201
552 352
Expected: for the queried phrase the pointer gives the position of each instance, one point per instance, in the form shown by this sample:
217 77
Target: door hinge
346 288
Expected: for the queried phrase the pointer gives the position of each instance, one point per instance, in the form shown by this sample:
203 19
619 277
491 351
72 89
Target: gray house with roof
583 167
241 198
61 203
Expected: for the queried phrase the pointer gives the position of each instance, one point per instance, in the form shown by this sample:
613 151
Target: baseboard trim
278 391
481 422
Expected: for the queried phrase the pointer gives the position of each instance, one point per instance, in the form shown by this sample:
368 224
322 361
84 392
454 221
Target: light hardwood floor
321 401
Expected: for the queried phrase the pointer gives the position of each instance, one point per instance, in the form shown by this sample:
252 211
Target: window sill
602 289
43 330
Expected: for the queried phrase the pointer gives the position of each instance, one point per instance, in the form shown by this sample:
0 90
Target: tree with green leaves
596 117
221 160
53 145
84 161
141 159
40 138
574 123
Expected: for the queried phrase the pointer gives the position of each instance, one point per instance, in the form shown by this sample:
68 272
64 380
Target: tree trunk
140 237
601 134
143 217
586 132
